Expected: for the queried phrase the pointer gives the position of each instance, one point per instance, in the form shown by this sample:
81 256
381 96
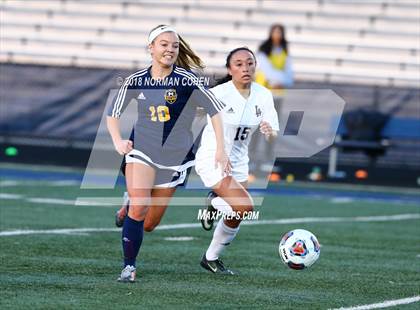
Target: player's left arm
269 133
220 157
269 125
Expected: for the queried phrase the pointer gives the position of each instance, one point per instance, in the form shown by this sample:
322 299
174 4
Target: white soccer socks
222 237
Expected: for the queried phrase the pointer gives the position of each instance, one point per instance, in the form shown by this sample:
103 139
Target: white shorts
204 166
164 178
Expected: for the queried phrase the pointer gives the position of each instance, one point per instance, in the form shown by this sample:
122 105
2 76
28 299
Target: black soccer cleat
215 266
209 213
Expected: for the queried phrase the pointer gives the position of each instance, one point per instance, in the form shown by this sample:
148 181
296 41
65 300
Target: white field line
342 200
376 218
385 304
111 201
51 201
64 231
38 199
381 218
9 183
64 183
185 238
117 201
184 201
13 183
175 201
10 196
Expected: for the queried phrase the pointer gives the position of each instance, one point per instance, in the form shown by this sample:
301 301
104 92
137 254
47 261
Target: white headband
158 31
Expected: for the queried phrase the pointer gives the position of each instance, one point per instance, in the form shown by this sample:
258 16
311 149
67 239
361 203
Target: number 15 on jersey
242 133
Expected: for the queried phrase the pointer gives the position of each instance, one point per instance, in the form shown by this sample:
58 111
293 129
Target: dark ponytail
228 77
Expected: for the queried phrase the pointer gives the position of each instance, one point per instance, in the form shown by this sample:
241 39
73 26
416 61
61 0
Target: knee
249 207
150 226
137 213
138 206
243 204
139 197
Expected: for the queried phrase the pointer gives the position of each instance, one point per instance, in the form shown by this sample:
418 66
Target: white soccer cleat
128 274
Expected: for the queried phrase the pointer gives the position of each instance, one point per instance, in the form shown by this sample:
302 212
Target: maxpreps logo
170 96
314 130
203 214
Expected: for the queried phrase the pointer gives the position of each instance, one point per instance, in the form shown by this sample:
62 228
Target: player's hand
124 146
266 129
222 159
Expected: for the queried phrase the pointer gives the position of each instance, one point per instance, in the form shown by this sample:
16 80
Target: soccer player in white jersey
249 108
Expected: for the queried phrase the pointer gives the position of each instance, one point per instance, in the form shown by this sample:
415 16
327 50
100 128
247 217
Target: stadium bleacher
331 41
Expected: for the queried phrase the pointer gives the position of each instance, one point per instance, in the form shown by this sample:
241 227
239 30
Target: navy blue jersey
166 109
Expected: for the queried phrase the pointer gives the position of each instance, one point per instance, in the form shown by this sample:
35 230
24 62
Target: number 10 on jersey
160 113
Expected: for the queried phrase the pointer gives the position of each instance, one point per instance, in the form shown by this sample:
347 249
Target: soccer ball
299 249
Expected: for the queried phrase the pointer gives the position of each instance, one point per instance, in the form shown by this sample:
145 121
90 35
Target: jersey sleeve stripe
221 105
216 103
116 111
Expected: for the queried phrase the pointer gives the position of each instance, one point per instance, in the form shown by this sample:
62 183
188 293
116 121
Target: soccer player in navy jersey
167 95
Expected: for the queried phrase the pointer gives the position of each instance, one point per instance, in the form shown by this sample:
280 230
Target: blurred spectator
276 73
275 64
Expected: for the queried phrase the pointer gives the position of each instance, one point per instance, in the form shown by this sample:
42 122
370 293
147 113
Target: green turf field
363 261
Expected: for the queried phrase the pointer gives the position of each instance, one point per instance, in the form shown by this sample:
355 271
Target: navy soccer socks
132 237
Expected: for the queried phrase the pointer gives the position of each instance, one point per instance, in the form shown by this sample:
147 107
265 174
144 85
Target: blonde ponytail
187 58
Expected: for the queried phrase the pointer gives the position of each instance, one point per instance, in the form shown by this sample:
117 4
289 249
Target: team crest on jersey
257 111
170 95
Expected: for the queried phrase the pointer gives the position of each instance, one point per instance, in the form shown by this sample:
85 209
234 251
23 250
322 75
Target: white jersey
241 118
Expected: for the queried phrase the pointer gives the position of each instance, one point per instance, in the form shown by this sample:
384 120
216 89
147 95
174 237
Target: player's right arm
121 146
206 99
220 156
118 105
